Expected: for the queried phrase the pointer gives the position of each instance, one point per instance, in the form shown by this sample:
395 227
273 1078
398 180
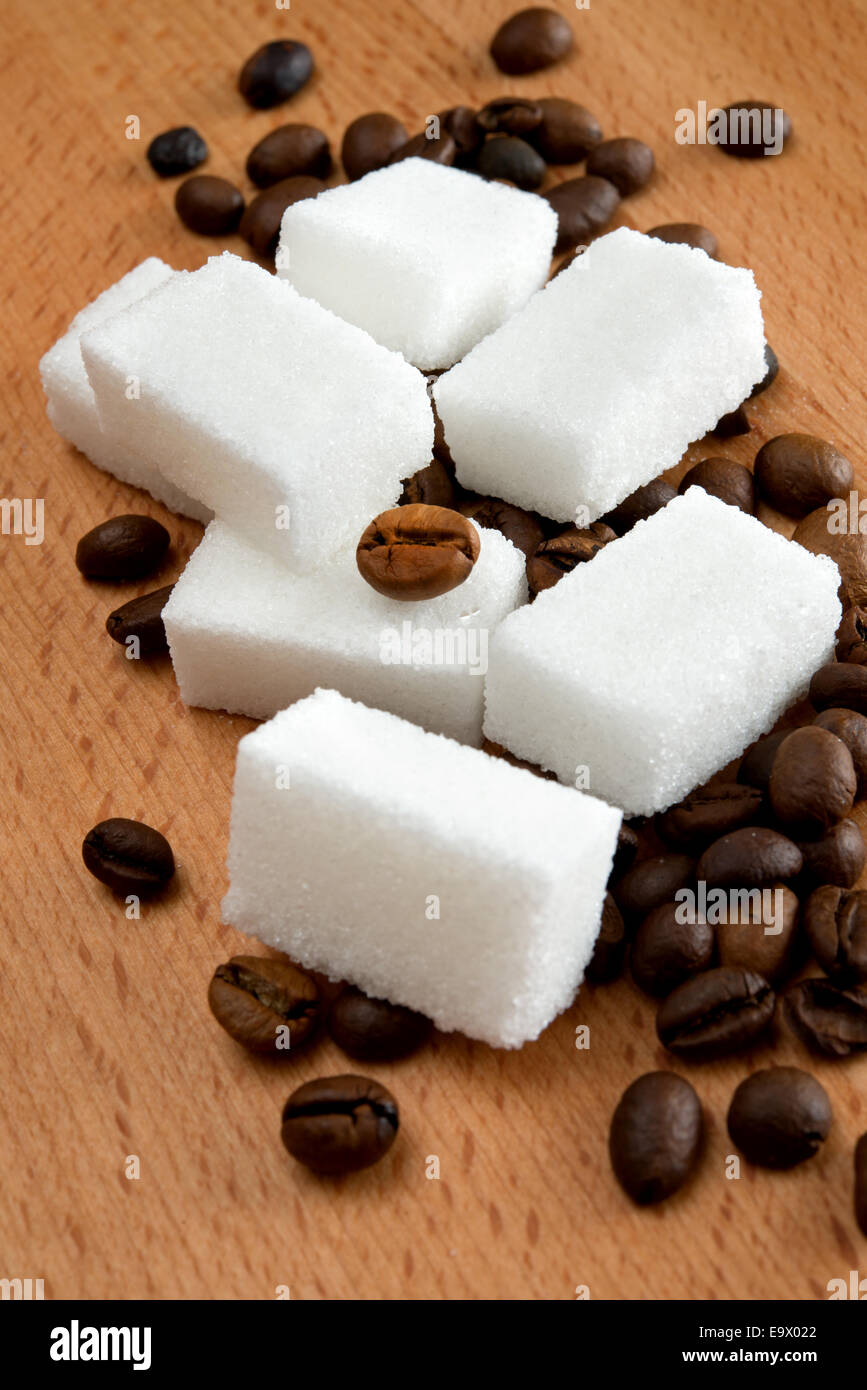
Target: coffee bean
656 1135
852 729
583 207
606 963
812 783
496 750
840 684
625 162
861 1183
752 857
507 157
753 128
762 936
772 365
723 478
852 636
125 547
651 882
667 951
509 116
838 857
687 234
340 1124
709 813
755 768
417 552
716 1013
531 40
779 1117
129 856
176 151
373 1030
370 141
142 619
735 422
433 485
643 502
560 555
208 205
566 133
522 528
847 550
836 925
260 225
288 151
796 473
624 851
267 1005
441 149
275 72
829 1019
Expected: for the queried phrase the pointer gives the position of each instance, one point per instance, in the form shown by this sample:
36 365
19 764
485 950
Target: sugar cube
652 665
425 872
294 427
427 259
603 379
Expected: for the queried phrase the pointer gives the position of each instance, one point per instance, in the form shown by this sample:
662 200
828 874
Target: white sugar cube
427 259
247 636
294 427
425 872
71 405
603 379
655 663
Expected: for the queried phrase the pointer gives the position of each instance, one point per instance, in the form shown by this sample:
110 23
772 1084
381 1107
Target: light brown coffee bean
267 1005
417 552
561 554
762 935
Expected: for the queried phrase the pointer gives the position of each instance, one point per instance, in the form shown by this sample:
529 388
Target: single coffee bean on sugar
835 922
733 423
828 1018
752 857
417 552
851 727
666 951
651 882
369 142
433 485
840 684
837 857
524 529
583 207
496 750
779 1116
176 151
260 225
559 555
687 234
723 478
508 157
129 857
441 149
754 128
275 72
820 533
796 473
509 116
625 162
373 1030
606 963
288 151
340 1124
655 1138
770 376
709 813
812 783
852 636
716 1013
531 40
124 547
267 1005
566 133
764 938
861 1183
141 620
639 505
756 764
208 205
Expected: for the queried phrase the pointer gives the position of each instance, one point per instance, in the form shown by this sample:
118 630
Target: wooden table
108 1048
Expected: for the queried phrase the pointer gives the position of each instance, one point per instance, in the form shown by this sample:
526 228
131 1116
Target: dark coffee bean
441 149
433 485
440 447
496 750
779 1117
828 1018
417 552
606 963
460 123
125 547
687 234
651 882
208 205
267 1005
838 857
560 555
820 533
373 1030
762 936
531 40
755 768
852 729
625 162
624 851
752 857
836 925
812 783
340 1124
753 128
715 1014
643 502
861 1183
509 116
708 813
735 422
667 951
260 225
275 72
842 685
796 473
566 133
129 856
370 141
583 207
772 368
852 636
141 618
723 478
656 1135
287 151
176 151
522 528
507 157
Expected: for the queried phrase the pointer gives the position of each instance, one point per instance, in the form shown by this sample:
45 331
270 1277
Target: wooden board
108 1049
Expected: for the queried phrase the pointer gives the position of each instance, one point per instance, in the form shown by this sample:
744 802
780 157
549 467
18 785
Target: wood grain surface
108 1048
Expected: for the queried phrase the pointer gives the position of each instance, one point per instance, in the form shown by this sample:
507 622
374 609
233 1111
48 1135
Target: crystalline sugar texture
294 427
603 379
71 405
425 872
659 660
247 636
427 259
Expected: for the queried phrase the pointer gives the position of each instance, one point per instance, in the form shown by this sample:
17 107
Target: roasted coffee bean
583 207
208 205
812 783
370 141
651 882
417 552
752 857
640 504
559 555
716 1013
829 1019
836 925
531 40
460 123
129 856
723 478
861 1183
837 857
624 851
125 547
772 365
260 225
656 1135
762 935
176 151
507 157
275 72
373 1030
796 473
755 768
852 729
606 963
754 128
842 685
852 636
687 234
267 1005
625 162
339 1124
433 485
708 813
667 951
566 133
441 149
496 750
509 116
142 620
735 422
847 549
522 528
287 151
779 1117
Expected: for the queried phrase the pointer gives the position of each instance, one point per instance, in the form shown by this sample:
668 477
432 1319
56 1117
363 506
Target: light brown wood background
108 1048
